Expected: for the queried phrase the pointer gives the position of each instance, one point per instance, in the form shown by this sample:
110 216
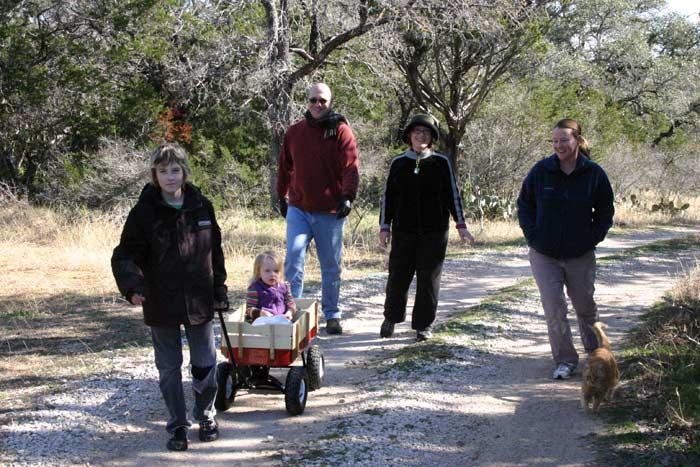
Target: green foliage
604 122
423 354
230 152
92 70
489 206
227 181
64 81
370 192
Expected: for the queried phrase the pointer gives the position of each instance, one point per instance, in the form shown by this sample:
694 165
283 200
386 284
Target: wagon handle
224 332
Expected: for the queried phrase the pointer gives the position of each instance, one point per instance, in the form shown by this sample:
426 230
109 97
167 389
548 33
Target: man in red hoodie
317 182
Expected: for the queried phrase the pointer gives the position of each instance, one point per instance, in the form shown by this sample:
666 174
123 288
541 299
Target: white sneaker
563 371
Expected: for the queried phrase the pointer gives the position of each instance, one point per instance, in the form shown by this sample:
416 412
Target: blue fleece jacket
565 216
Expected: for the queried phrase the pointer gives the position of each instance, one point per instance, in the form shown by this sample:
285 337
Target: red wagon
252 350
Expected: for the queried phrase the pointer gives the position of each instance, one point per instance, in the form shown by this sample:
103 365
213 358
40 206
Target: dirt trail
490 402
496 407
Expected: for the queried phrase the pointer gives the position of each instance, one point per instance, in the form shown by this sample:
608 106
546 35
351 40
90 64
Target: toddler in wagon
268 295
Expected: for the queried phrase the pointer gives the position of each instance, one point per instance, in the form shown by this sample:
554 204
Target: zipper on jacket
418 189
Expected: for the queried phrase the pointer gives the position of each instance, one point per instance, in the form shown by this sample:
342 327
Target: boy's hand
265 313
288 314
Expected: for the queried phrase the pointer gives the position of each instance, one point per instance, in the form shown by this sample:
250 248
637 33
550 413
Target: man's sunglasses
313 100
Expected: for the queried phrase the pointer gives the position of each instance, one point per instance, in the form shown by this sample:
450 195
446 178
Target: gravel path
486 399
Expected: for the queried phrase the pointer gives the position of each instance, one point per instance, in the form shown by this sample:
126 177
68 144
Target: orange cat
600 375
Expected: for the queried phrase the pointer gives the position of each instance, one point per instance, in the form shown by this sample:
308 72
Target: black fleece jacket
420 194
173 257
565 216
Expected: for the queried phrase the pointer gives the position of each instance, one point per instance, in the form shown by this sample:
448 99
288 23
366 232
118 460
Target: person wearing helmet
420 195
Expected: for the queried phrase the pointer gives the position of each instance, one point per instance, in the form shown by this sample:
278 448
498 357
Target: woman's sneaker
179 440
424 334
563 371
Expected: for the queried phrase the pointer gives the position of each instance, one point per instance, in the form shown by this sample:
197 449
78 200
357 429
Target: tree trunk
450 146
280 115
9 172
279 91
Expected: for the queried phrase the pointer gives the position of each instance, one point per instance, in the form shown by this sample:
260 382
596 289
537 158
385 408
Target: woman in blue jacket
565 209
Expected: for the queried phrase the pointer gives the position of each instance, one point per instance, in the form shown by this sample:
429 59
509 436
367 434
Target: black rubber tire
315 367
226 380
296 390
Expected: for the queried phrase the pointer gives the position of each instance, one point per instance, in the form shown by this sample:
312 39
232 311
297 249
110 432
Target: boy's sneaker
333 326
387 329
424 334
563 371
179 440
208 430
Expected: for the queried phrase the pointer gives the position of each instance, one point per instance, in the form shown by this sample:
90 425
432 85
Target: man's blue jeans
327 232
167 344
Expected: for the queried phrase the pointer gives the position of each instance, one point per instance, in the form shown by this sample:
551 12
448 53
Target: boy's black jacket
173 257
565 216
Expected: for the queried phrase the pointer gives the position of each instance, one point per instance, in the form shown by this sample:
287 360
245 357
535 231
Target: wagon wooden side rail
274 345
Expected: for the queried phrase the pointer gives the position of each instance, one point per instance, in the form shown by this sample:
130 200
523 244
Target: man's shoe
333 326
208 430
387 329
423 334
179 440
563 371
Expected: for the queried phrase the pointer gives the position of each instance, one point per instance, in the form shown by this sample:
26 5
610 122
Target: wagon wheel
295 390
315 367
227 381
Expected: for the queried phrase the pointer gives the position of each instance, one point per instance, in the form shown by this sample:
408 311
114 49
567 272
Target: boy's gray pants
578 275
167 343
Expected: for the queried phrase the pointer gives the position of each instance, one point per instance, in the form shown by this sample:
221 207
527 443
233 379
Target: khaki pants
578 275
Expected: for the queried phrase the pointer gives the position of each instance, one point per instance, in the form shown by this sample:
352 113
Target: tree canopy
86 86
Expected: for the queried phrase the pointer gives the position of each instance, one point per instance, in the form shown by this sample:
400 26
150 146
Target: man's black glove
343 208
282 206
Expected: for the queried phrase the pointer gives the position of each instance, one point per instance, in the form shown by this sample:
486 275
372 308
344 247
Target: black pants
422 255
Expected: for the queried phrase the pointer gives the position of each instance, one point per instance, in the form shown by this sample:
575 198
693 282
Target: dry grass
60 309
687 289
640 212
496 232
59 306
245 236
58 303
